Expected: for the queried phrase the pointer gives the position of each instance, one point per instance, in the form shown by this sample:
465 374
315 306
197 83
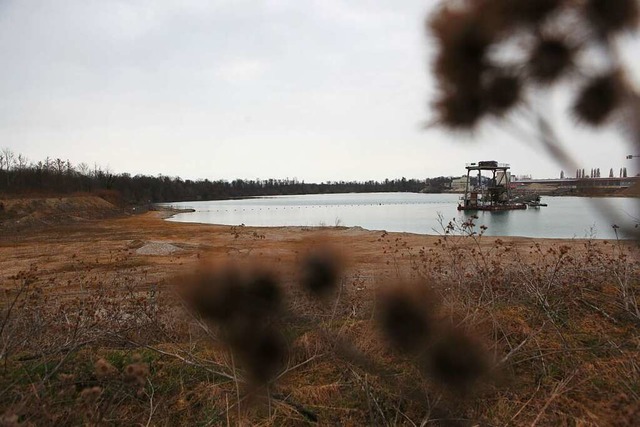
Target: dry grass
519 331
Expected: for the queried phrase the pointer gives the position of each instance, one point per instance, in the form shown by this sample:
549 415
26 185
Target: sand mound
24 212
157 248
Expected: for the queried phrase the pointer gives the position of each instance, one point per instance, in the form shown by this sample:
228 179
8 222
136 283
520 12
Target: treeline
18 176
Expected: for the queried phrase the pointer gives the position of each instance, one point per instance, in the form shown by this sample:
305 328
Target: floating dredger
488 188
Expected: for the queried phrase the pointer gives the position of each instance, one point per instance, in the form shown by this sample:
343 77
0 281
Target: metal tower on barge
491 191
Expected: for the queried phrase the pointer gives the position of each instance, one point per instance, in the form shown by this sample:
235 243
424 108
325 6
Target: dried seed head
136 374
550 58
598 99
502 92
459 110
405 323
463 41
320 272
9 419
215 295
263 353
610 16
457 360
530 11
228 292
90 395
104 369
406 316
245 301
262 294
66 379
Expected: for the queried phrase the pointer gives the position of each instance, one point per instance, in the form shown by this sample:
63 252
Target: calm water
564 217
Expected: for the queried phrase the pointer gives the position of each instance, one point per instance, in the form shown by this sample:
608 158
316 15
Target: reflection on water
564 217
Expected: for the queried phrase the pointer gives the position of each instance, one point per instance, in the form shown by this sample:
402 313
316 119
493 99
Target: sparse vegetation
408 330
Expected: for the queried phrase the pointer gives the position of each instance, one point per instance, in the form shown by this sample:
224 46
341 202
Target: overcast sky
313 89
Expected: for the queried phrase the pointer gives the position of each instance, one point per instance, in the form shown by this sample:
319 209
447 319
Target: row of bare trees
19 176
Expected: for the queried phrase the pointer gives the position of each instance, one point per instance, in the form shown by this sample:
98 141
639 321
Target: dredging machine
488 188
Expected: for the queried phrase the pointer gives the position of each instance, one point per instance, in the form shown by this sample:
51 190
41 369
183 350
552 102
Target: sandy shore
119 243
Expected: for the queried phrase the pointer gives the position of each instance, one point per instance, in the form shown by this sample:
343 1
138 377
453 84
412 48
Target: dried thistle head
263 353
459 109
9 419
502 92
457 360
262 293
551 57
245 302
214 294
598 99
90 395
463 39
529 11
321 269
136 374
104 369
406 316
227 292
611 16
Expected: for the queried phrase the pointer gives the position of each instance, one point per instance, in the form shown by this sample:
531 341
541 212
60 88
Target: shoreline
112 245
627 234
167 212
360 228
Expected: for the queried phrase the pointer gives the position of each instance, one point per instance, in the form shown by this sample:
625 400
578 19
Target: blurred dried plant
478 40
321 269
244 302
495 56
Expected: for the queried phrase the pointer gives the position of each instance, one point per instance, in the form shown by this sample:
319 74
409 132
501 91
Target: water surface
564 217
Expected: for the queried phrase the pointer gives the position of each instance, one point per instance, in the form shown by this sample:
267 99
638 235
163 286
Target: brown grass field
132 320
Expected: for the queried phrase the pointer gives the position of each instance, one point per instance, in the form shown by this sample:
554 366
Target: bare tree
83 169
22 162
59 166
7 159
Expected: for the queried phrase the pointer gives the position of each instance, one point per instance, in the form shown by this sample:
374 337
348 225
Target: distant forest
19 176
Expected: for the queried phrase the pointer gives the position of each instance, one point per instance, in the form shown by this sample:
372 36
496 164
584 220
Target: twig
315 356
152 408
558 390
182 359
525 405
365 388
237 386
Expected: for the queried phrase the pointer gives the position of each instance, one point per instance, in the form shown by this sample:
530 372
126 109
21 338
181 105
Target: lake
564 217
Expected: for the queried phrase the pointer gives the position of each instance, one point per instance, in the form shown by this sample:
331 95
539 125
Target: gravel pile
157 248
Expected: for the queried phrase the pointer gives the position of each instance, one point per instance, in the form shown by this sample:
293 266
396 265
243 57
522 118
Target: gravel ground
157 248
